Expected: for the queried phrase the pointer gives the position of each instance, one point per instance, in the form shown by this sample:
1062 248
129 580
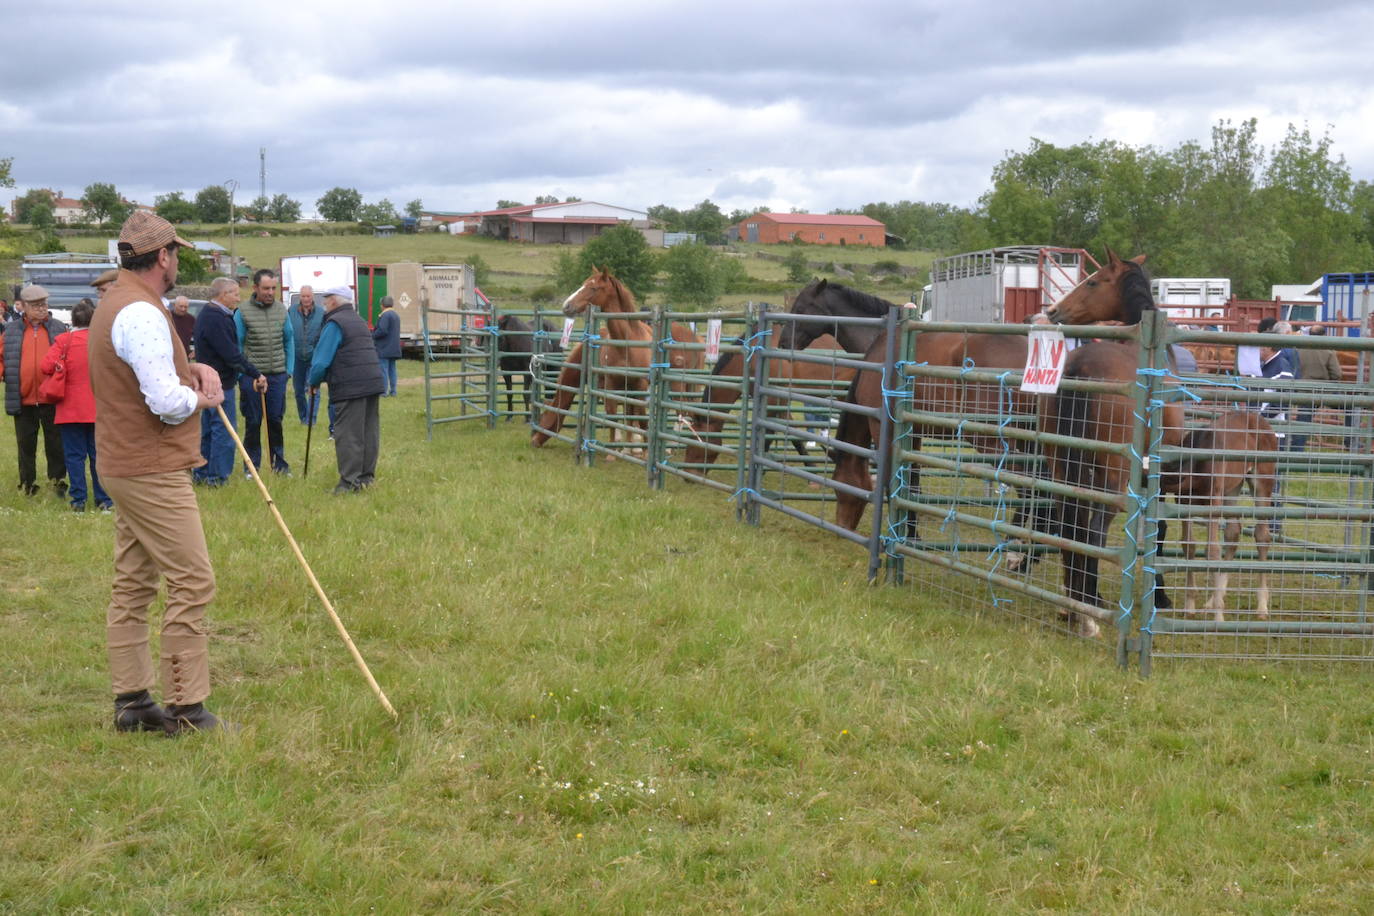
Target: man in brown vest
145 391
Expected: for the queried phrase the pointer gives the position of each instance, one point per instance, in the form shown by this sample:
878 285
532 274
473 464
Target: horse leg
510 392
1217 603
552 419
1262 549
1162 600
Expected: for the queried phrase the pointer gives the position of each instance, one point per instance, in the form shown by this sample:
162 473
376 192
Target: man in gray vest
266 339
347 360
307 320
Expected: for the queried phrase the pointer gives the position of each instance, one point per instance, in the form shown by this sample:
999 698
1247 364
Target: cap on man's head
343 292
105 279
34 293
145 231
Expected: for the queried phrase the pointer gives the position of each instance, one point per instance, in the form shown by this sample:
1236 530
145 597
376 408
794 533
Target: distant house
64 209
383 232
570 223
816 228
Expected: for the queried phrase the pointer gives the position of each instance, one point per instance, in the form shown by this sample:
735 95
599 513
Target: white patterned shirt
142 338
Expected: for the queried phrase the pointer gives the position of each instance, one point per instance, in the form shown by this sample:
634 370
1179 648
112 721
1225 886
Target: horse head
1119 291
821 297
602 290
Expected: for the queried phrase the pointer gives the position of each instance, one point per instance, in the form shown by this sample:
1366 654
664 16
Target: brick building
815 228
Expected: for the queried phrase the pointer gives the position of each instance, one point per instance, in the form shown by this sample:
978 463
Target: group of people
130 388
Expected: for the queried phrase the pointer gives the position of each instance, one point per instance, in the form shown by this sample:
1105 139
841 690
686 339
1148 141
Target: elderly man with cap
307 321
25 342
146 391
347 360
102 283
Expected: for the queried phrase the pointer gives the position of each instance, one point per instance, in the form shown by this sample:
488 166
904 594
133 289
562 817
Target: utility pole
262 171
231 186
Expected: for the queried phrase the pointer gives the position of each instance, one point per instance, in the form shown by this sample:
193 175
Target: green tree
175 208
506 204
1313 197
706 220
103 204
340 205
34 199
481 272
568 273
546 199
623 251
415 208
51 244
798 270
671 218
693 276
6 178
191 266
260 209
212 204
380 213
284 209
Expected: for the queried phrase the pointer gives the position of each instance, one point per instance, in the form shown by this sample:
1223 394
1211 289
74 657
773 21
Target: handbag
54 387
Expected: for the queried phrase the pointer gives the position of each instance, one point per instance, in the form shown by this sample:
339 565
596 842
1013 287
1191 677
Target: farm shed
816 228
570 223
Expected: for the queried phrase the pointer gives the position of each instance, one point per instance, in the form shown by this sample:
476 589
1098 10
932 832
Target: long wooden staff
295 548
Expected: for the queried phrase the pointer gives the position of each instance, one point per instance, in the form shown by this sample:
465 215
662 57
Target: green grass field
619 700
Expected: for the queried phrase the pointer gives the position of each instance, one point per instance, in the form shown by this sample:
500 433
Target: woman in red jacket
76 411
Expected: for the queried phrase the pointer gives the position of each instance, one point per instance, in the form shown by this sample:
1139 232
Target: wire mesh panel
1268 545
460 369
991 481
524 341
712 427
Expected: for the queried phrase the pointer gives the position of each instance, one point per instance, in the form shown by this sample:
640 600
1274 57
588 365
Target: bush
798 271
51 245
481 272
887 264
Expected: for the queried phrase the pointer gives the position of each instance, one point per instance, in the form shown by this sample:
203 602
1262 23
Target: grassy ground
619 700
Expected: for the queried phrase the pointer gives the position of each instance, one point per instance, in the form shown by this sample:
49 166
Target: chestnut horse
1217 479
615 300
1117 293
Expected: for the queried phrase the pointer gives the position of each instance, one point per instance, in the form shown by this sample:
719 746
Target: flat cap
343 292
34 293
105 279
145 231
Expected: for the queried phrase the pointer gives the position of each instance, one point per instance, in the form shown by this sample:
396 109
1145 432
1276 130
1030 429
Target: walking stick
309 428
295 548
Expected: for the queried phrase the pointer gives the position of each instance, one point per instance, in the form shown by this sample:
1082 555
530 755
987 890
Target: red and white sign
567 332
1046 353
712 340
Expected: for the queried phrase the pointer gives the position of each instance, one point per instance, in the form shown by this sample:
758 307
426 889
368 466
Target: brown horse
615 300
719 397
1117 293
1216 479
958 398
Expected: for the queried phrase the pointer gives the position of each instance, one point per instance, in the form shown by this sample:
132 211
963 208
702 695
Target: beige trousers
158 533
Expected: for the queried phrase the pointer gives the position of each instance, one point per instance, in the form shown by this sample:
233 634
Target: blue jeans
388 376
302 391
216 446
78 444
251 404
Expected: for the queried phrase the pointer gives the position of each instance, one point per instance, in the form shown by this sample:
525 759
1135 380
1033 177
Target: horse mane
622 292
874 306
1136 297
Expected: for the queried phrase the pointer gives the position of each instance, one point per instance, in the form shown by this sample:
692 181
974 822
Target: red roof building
815 228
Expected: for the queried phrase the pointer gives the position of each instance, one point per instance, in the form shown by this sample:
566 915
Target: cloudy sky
813 105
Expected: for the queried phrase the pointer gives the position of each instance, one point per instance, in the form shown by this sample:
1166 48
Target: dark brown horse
1216 479
1118 293
615 300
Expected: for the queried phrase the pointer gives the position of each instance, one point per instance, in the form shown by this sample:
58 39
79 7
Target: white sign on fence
567 332
1046 353
712 341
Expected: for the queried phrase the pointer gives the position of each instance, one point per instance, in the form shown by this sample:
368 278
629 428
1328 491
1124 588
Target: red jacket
78 405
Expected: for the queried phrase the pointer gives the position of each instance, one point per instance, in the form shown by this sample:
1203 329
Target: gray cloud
783 104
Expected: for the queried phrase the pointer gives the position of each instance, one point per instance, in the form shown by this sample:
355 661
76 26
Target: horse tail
853 428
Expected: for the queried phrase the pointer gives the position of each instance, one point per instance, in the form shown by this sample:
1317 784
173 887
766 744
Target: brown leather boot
137 712
193 717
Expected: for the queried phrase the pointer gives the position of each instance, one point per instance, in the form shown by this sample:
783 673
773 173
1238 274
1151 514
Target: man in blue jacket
217 346
347 360
387 336
307 320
